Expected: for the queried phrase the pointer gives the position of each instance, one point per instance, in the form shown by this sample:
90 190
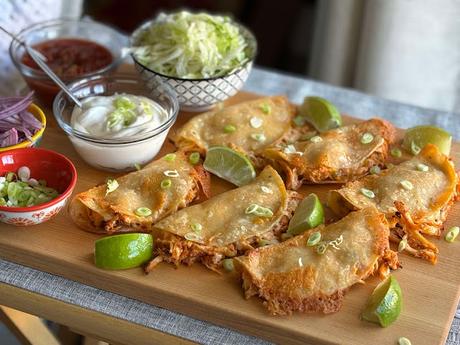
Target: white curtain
405 50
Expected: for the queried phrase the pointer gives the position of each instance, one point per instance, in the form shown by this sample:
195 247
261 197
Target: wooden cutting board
431 293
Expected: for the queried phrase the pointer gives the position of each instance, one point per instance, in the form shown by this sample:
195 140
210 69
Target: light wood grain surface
430 292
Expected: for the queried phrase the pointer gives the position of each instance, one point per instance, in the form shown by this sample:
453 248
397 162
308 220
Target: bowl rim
68 191
115 142
40 115
39 74
234 71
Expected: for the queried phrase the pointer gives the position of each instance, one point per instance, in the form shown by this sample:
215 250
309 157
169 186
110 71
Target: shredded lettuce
192 46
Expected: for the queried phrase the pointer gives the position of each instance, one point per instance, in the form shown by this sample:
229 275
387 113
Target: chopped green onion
299 121
24 173
259 210
415 149
137 166
375 170
170 157
290 149
147 108
192 236
367 138
143 212
196 227
260 137
166 183
316 139
395 152
229 129
124 102
112 185
407 185
314 239
452 234
171 173
194 158
265 107
11 176
402 244
404 341
227 264
367 193
266 190
321 248
255 122
422 167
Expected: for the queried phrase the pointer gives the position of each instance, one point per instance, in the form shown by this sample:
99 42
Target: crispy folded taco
292 276
227 224
98 211
247 126
339 155
415 196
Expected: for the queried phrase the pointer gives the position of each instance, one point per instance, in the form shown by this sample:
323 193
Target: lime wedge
322 114
421 135
229 165
384 305
309 214
123 251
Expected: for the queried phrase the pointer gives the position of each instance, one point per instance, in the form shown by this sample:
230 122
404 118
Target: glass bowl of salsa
74 49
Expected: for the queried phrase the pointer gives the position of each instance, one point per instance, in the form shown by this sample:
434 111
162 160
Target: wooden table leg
28 329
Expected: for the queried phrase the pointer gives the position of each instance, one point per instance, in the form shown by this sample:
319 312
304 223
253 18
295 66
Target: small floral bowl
57 170
37 137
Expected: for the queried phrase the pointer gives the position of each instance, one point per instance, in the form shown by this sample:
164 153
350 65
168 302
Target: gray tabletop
263 82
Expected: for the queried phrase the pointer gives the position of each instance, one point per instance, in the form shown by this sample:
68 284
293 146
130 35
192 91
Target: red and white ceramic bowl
57 170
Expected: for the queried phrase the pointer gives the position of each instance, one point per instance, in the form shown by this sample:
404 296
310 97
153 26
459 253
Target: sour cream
117 116
121 116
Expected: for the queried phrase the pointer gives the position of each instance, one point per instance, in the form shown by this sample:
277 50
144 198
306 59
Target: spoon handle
52 75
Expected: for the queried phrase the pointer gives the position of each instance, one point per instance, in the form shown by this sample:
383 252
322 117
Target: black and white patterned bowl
200 94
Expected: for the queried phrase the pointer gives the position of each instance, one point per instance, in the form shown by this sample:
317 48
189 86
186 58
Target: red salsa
71 57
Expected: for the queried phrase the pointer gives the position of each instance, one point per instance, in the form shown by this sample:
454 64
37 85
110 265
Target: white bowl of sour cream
121 123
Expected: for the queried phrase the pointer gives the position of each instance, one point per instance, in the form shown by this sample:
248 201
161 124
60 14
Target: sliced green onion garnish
112 185
24 173
143 212
171 173
192 236
11 176
166 183
227 264
264 242
402 244
124 102
422 167
314 239
259 210
407 185
375 170
137 166
194 158
367 193
395 152
170 157
404 341
260 137
367 138
452 234
255 122
321 248
316 139
196 227
229 128
265 107
415 149
299 121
